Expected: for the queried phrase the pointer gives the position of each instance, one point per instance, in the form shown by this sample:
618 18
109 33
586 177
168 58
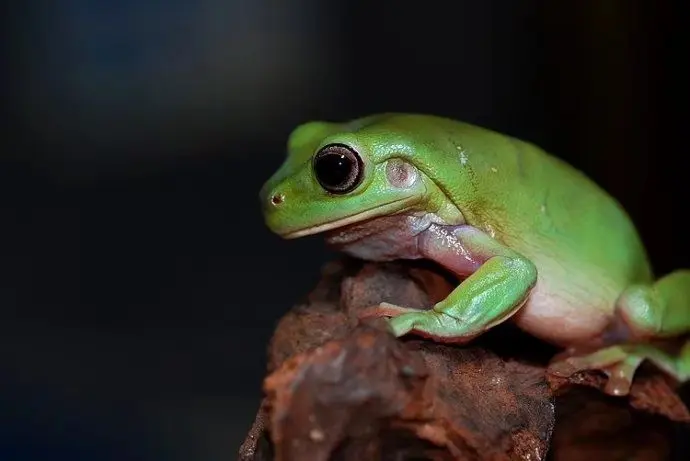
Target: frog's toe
621 376
403 320
386 310
604 358
408 322
618 365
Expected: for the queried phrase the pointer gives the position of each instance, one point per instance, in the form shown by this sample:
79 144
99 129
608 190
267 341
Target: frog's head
340 174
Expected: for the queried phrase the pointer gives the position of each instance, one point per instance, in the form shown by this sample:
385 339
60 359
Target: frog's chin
393 207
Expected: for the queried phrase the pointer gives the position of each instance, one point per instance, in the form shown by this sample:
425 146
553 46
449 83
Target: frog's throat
395 206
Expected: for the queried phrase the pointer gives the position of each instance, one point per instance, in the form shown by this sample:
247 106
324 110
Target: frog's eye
338 168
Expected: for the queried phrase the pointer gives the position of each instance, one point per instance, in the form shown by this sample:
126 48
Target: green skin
531 238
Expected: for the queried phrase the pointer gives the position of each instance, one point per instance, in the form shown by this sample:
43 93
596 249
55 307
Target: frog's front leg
498 283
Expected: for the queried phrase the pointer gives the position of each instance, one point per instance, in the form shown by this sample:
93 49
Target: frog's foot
427 323
402 320
619 363
386 310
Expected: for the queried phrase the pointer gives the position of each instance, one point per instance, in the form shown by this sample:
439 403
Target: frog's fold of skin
532 238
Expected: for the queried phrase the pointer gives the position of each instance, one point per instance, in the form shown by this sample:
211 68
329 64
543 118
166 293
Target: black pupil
334 169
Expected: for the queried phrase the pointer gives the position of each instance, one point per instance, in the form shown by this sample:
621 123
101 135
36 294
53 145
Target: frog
530 239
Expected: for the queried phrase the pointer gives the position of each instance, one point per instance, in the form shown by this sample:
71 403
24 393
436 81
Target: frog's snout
271 197
273 207
277 198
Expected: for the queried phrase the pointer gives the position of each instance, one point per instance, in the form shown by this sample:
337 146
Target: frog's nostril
277 199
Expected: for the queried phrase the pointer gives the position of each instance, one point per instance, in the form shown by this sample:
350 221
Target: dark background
138 284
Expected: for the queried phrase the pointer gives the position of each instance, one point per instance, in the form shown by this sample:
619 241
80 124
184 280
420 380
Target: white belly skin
567 306
563 312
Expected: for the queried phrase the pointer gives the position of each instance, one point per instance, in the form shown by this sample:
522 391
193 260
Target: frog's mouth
394 207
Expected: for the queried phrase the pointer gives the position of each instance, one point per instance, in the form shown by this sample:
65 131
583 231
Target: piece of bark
591 426
651 392
369 382
342 390
256 446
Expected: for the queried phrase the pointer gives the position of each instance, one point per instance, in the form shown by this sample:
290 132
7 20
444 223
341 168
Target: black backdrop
138 285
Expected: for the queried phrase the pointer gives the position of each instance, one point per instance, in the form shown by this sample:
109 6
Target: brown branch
339 389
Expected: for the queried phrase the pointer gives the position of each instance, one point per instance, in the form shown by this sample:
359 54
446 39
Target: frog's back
526 197
584 244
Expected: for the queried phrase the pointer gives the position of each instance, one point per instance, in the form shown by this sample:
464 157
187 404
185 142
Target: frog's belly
563 312
564 307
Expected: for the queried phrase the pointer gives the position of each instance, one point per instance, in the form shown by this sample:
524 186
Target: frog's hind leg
620 363
657 311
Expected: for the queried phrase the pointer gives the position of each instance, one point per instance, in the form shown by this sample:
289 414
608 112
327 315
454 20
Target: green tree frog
529 237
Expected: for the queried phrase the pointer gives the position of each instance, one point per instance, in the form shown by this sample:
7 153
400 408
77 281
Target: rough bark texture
342 390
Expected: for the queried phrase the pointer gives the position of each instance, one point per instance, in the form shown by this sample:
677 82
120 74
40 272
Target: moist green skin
528 207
